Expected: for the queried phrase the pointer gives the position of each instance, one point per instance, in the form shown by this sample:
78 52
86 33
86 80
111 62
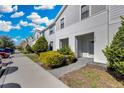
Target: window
43 33
84 11
62 23
52 29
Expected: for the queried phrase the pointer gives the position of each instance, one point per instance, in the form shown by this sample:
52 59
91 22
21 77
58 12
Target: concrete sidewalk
26 74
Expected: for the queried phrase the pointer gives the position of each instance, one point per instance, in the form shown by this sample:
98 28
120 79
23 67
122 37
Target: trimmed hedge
52 59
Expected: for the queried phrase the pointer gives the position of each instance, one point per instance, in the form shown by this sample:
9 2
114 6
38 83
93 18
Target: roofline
56 18
60 12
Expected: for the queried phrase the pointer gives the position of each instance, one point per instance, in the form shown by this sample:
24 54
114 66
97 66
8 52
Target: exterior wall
50 37
115 22
96 24
102 22
71 16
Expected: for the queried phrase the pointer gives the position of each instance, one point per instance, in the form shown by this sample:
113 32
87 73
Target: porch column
72 43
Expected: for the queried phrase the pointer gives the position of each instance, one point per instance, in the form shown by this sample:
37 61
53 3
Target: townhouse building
86 29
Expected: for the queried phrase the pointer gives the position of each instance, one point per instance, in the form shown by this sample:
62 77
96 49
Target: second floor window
62 23
52 29
84 11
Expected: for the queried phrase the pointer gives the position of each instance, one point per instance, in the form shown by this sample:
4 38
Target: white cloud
6 26
17 14
35 18
15 40
8 8
16 27
44 7
46 20
15 8
1 15
37 27
17 37
24 23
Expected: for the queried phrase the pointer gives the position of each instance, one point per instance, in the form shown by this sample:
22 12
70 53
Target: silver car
0 62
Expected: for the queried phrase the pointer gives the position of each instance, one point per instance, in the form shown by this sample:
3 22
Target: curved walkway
58 72
24 73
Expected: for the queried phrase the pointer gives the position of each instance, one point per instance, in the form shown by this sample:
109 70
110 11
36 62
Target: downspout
108 18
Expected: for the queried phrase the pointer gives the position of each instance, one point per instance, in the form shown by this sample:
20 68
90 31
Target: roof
56 18
60 12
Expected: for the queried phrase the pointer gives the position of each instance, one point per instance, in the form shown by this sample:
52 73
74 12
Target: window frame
86 13
62 23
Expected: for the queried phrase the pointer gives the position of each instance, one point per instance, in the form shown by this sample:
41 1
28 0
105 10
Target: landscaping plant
51 59
41 45
28 49
114 52
69 55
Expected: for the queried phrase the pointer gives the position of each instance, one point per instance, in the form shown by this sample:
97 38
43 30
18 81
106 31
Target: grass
34 57
90 77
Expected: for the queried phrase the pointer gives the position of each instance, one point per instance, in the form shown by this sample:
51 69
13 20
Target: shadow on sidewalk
11 70
10 85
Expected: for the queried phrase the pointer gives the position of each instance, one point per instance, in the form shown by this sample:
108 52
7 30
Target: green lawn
90 77
33 57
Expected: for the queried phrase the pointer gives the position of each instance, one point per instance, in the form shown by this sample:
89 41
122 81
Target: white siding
71 16
97 9
115 12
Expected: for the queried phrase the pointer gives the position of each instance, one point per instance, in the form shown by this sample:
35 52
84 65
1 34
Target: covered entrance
85 45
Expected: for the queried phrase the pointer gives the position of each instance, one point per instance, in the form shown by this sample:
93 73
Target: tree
114 52
41 45
6 42
28 49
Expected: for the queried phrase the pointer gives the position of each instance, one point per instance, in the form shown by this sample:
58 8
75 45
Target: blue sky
18 21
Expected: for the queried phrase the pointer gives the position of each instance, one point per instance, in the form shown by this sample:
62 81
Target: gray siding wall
97 9
71 15
115 12
115 22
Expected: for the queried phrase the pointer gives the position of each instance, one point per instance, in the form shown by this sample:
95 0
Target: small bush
65 51
69 55
41 45
69 59
51 59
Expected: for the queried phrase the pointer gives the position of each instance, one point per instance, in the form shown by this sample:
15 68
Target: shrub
114 52
65 51
51 59
69 59
41 45
69 55
28 49
119 67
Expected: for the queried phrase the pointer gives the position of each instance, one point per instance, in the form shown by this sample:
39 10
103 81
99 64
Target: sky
20 21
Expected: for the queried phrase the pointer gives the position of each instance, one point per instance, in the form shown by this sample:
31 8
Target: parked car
4 54
0 62
9 50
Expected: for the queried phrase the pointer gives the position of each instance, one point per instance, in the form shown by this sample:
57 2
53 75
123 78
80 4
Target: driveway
24 73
